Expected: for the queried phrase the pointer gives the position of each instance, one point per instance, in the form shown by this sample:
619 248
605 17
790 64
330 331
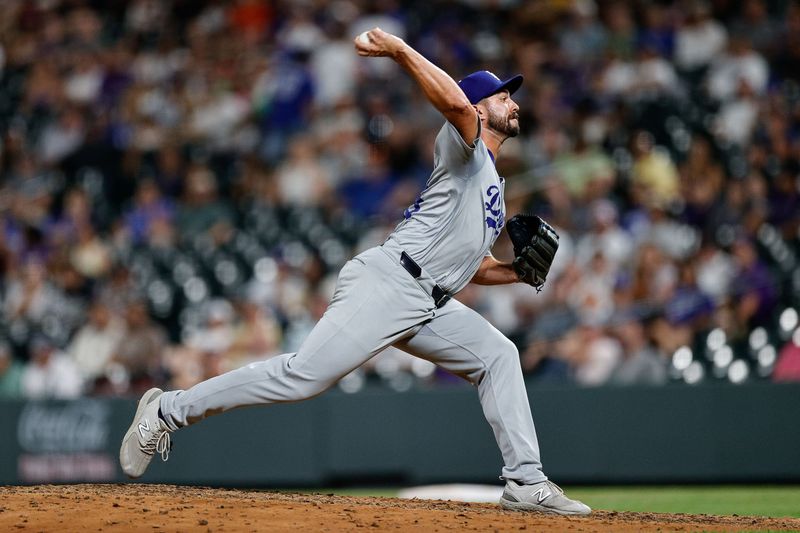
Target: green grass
756 500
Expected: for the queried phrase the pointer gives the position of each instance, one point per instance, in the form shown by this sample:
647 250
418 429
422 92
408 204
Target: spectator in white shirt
737 117
94 344
50 374
740 64
649 77
700 39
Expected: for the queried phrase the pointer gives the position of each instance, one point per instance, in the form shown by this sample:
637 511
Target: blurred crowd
180 181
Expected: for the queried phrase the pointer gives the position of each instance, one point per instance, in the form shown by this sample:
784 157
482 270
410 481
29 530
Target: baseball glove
535 245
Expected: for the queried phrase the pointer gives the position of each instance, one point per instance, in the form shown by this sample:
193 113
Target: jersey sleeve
459 158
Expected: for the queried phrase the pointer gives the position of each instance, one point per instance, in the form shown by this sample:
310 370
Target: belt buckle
442 300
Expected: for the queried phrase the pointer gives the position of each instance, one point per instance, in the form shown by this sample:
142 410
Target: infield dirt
157 508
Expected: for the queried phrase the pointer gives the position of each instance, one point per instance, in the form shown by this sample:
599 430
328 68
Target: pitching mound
152 508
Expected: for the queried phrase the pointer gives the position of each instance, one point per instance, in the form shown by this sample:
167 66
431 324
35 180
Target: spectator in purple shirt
149 206
755 292
784 199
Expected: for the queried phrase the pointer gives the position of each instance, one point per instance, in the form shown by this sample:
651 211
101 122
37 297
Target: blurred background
180 182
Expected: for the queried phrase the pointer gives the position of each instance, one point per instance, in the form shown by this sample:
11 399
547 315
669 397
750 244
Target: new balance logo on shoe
145 426
540 495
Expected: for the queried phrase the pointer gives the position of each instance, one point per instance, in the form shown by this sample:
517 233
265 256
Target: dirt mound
159 508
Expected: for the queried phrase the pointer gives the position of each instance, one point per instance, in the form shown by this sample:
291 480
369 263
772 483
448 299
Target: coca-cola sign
80 426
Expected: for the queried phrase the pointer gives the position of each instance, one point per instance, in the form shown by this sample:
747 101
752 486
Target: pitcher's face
502 113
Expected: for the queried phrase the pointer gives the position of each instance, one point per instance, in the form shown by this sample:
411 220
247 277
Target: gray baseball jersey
378 303
454 222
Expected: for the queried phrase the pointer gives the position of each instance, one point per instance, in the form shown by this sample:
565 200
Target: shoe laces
556 487
160 442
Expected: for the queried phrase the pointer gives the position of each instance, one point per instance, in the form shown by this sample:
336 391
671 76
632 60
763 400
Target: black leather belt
440 296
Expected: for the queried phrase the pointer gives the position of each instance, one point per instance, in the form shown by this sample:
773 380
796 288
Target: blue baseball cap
483 83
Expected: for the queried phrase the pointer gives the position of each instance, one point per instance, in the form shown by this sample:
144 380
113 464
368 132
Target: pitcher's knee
498 357
307 387
502 352
296 384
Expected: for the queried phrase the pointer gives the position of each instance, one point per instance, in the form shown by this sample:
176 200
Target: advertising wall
721 433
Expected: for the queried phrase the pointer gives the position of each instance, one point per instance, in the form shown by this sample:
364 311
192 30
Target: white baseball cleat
544 497
148 434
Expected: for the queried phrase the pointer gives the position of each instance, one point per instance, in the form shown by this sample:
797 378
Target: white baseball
363 38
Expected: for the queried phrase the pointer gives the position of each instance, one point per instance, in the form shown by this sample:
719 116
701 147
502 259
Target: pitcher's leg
325 357
461 341
361 321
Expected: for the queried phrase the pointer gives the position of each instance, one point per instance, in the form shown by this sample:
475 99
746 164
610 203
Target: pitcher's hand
378 43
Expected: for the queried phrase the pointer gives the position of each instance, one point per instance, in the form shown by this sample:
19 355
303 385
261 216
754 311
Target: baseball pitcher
399 293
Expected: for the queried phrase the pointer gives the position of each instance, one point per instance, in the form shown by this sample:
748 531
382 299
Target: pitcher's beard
503 125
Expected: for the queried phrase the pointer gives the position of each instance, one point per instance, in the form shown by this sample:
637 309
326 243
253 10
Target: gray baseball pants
377 303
